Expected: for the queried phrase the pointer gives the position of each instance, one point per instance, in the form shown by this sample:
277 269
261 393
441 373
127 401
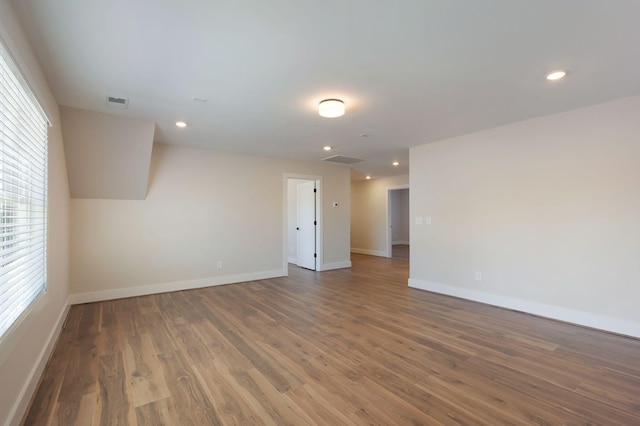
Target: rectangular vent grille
114 102
342 159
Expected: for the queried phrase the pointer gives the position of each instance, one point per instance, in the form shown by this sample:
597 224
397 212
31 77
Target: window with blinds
23 196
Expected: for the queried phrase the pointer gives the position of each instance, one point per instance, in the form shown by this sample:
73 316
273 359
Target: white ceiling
410 72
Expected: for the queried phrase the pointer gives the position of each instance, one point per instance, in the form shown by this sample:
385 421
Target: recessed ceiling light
395 163
327 148
556 75
331 108
181 124
368 177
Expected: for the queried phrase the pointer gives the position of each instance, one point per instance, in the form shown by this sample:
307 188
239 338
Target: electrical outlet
478 276
219 264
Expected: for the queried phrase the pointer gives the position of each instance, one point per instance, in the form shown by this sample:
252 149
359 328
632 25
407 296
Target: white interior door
306 256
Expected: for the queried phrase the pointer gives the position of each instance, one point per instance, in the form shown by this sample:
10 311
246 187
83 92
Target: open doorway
398 222
303 223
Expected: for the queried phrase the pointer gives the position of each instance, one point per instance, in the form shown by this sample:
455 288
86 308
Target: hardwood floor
400 251
344 347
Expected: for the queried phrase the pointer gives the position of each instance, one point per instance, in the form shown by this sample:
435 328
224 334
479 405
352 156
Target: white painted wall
400 216
24 353
547 209
108 156
202 207
369 212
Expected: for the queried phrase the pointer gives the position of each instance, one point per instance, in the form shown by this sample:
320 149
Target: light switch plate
418 220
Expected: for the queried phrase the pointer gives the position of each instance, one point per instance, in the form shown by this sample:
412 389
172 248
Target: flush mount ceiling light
181 124
556 75
327 148
331 108
396 163
368 177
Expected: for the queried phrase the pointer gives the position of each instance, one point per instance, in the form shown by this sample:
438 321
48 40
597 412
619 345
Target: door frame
389 231
285 219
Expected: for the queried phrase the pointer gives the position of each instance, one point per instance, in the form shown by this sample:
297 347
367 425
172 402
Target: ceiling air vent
342 159
114 102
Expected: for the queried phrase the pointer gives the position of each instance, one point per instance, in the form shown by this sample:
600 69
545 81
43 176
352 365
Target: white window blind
23 195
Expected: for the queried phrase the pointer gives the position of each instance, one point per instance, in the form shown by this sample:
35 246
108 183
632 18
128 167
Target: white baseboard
29 388
292 259
369 252
600 322
404 243
121 293
335 265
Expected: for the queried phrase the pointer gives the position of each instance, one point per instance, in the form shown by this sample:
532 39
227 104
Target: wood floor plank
316 406
189 398
261 361
350 347
277 404
144 373
87 412
233 404
221 349
157 413
115 406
